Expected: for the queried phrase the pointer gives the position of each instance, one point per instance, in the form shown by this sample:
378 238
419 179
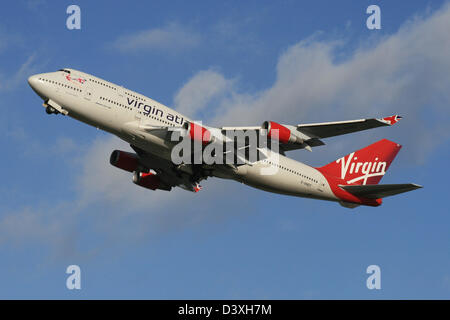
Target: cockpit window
65 70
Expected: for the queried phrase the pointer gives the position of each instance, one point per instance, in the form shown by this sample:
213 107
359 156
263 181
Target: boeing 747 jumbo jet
172 150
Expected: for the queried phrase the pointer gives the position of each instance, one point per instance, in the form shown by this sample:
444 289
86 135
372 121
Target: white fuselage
117 110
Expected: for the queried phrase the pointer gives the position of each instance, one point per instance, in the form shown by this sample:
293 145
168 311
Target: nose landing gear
50 110
51 107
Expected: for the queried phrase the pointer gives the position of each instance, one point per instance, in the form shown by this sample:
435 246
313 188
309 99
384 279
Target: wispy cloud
53 226
62 145
20 75
107 201
35 4
170 37
240 32
12 78
7 39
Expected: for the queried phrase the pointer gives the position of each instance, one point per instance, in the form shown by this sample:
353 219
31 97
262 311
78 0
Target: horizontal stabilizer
376 191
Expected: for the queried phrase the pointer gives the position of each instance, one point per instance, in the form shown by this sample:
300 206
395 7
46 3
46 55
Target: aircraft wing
169 174
377 191
309 135
331 129
302 136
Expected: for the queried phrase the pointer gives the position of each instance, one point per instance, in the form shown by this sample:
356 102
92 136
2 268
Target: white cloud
200 90
406 73
170 37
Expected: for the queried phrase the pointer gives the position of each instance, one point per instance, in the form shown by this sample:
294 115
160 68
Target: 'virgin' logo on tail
367 169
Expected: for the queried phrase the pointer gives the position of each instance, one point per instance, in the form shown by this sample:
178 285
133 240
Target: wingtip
392 119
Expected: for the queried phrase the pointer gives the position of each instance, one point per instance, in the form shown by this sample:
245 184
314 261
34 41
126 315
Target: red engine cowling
198 133
279 132
147 180
124 160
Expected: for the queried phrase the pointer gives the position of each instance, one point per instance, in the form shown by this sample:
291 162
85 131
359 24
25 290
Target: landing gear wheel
50 110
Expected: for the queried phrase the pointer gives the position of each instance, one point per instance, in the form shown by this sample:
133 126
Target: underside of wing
168 175
378 191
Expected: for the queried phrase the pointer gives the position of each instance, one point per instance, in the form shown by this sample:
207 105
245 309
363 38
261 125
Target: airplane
148 126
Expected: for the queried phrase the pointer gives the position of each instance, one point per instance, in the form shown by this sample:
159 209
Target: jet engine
281 133
198 133
124 160
147 180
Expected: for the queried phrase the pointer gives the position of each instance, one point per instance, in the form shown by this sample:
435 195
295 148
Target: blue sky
226 63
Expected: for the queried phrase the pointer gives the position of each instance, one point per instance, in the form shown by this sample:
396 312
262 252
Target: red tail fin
365 166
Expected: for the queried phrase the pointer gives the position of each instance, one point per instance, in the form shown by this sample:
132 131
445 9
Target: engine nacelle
281 133
198 133
124 160
147 180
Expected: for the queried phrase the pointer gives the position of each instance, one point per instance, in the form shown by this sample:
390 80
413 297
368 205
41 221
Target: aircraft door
87 91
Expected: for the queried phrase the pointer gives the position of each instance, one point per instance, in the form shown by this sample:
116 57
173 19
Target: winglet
391 120
197 187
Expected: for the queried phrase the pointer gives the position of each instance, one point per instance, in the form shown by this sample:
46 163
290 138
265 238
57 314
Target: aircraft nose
37 85
32 81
